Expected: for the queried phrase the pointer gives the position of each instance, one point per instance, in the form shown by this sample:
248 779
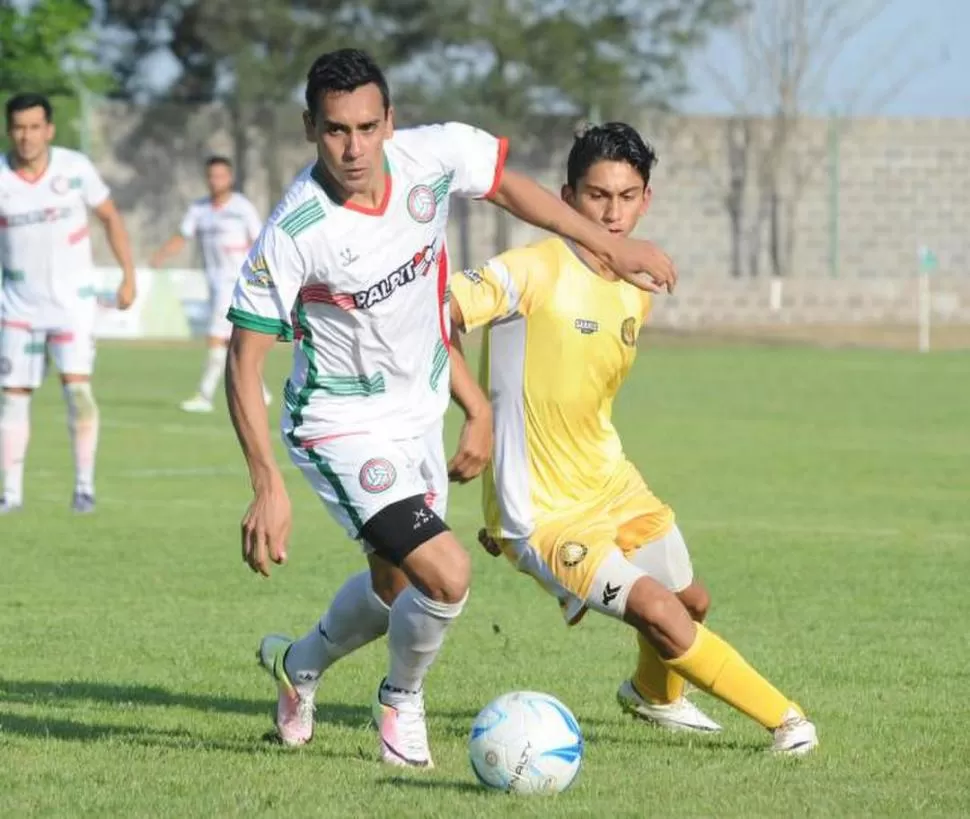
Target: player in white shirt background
50 288
352 265
224 224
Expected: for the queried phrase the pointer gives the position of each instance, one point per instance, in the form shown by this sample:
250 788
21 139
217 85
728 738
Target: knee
387 582
697 601
651 605
80 400
450 578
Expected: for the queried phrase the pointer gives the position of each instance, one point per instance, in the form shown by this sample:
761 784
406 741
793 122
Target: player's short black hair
613 142
346 69
24 102
218 159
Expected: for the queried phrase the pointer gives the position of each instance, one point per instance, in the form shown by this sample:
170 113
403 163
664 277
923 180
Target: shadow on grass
42 728
43 692
456 785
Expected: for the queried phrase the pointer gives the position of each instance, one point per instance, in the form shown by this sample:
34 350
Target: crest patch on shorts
377 475
571 554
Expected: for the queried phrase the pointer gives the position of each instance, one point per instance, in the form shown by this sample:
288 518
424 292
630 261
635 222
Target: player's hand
266 527
488 543
126 294
644 265
474 447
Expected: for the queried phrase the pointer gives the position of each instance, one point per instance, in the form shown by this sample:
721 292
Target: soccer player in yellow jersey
560 498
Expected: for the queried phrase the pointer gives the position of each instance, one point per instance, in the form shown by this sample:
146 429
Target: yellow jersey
559 342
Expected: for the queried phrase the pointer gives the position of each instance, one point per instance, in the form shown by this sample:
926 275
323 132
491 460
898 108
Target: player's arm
475 441
114 228
640 262
265 293
171 247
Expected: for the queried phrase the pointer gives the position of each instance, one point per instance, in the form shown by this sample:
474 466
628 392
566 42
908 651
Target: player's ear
647 197
567 194
308 127
389 124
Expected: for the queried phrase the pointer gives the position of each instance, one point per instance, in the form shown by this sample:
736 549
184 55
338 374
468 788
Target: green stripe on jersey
438 363
351 384
441 186
260 324
294 223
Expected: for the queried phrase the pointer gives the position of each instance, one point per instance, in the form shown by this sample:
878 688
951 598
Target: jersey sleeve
514 282
190 222
93 188
268 285
475 157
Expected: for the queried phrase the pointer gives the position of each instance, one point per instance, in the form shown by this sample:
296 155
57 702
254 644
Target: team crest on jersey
377 475
571 554
422 204
628 331
587 326
258 275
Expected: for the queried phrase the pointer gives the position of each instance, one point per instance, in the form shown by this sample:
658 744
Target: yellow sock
653 680
715 667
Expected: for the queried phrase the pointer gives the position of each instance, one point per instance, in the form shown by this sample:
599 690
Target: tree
46 47
786 51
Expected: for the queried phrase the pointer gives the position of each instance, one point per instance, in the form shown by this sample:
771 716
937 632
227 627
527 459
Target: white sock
83 422
14 437
415 635
215 366
356 616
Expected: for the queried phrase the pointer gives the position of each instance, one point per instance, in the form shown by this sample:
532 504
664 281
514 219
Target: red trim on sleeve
503 152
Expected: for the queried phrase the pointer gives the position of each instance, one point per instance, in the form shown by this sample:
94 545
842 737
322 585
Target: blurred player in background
50 288
353 263
225 224
561 500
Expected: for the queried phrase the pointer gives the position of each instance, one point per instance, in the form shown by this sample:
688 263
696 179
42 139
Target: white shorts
356 475
24 351
221 288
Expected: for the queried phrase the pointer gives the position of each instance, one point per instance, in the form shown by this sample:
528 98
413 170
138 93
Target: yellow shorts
565 551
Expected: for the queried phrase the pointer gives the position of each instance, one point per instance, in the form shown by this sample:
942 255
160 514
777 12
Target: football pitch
825 496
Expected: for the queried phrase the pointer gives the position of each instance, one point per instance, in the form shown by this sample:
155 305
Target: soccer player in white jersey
352 265
50 288
225 224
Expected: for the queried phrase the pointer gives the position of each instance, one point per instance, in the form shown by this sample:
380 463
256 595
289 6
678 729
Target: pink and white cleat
403 733
294 710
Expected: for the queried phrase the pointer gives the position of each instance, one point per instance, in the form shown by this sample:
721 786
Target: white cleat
680 715
795 736
294 709
197 404
401 728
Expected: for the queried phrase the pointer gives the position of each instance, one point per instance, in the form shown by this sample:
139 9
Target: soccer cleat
82 503
680 715
8 507
197 404
294 710
795 736
403 733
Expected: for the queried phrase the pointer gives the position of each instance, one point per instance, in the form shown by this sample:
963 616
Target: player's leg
22 360
217 347
412 536
73 352
656 692
623 590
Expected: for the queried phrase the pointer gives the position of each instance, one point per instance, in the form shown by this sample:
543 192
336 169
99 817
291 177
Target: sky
930 43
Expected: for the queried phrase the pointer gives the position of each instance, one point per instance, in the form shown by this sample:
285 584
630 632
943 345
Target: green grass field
826 499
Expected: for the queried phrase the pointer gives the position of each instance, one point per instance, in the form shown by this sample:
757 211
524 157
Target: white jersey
45 247
224 232
363 291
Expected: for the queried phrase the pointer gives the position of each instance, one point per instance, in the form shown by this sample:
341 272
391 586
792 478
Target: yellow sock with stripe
715 667
653 680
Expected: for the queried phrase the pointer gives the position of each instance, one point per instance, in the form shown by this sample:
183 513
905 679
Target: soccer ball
526 742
